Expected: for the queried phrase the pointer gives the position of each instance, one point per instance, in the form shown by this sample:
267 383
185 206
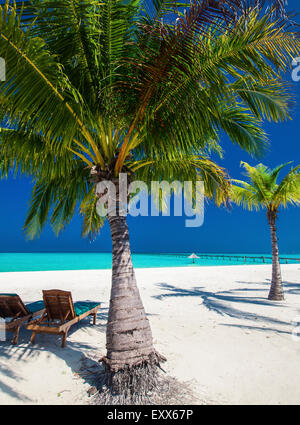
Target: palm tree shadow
288 287
74 355
220 302
256 328
7 389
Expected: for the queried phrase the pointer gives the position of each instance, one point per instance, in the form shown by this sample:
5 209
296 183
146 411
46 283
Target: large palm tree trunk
129 338
276 291
131 360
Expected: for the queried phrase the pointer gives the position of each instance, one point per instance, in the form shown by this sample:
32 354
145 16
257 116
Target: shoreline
190 267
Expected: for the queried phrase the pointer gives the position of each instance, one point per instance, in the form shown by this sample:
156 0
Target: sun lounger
60 314
11 306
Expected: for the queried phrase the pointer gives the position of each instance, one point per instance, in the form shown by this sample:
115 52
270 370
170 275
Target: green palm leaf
119 86
262 189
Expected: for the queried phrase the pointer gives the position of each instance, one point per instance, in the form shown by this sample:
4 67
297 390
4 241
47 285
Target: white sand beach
214 324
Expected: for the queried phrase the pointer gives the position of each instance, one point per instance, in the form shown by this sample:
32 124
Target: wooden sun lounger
11 306
60 314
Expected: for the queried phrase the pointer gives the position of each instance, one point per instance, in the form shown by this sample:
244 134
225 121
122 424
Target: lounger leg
32 339
95 315
64 338
16 335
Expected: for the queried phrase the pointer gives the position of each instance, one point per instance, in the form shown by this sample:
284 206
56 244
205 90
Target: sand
214 324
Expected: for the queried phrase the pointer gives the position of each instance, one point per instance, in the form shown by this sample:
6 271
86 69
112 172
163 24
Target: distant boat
193 256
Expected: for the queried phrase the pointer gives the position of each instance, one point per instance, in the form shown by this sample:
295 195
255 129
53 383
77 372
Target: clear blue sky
223 231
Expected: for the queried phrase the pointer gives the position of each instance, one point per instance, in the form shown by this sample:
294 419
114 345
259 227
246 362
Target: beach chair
60 314
11 306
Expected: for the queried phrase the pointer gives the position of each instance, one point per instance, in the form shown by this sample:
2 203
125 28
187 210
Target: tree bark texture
129 337
276 291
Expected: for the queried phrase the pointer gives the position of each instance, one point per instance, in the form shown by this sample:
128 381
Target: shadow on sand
230 303
292 288
73 354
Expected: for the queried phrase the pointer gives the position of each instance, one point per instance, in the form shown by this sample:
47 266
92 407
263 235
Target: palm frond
245 196
60 193
288 191
262 189
43 195
185 168
92 221
33 154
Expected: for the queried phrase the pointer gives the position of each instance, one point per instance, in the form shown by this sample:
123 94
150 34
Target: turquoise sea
20 262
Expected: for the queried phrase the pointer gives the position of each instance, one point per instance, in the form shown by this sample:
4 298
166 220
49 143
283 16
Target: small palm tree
263 191
137 87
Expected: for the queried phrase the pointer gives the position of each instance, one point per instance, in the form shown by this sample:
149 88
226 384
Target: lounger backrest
59 305
11 306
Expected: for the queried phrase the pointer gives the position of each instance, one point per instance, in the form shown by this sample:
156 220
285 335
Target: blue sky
223 231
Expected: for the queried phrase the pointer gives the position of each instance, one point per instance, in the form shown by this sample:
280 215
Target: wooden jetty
237 258
247 258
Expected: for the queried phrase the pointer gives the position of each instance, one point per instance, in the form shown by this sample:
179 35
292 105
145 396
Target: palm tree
263 191
137 87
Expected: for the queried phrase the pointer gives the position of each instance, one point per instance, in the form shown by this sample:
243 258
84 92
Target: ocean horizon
50 261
